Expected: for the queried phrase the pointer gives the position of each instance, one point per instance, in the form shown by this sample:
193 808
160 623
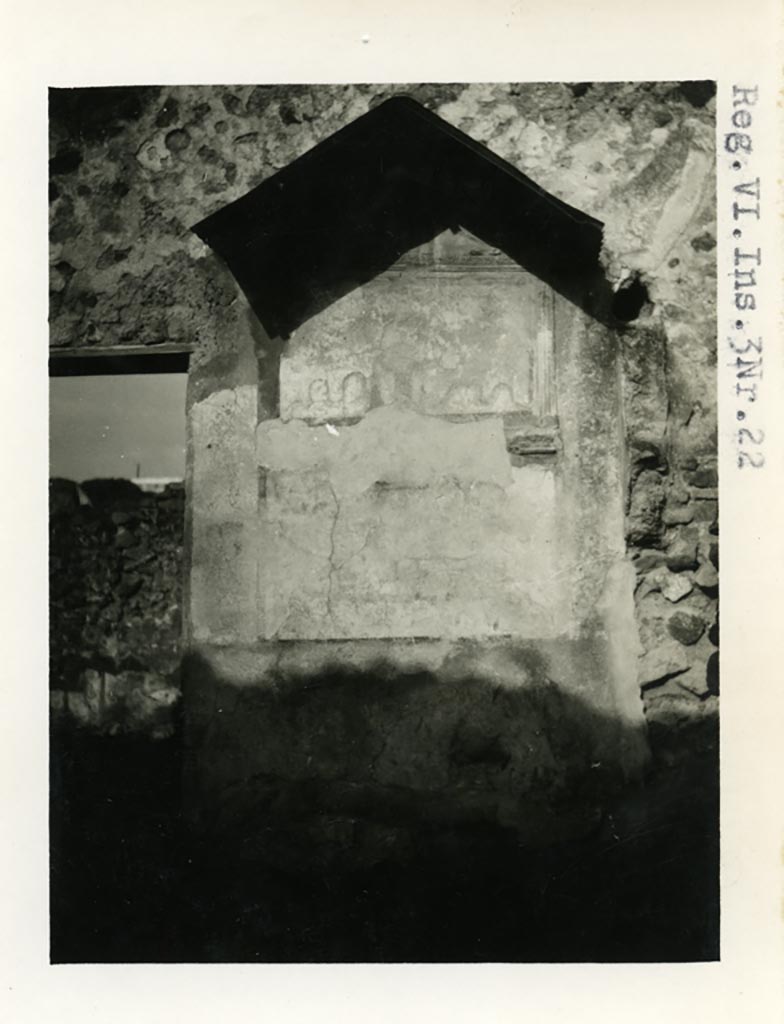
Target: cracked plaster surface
405 525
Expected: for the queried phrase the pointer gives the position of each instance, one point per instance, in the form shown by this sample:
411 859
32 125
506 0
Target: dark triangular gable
391 180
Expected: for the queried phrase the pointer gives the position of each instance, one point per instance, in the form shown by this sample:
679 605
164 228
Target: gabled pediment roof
391 180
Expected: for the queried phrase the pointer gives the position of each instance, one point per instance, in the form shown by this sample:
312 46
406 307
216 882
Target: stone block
686 628
678 493
678 515
694 681
705 476
661 663
661 580
706 512
674 712
674 588
682 555
644 518
707 578
648 559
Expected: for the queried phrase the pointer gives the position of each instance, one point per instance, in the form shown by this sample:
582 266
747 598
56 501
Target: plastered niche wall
132 168
392 508
409 585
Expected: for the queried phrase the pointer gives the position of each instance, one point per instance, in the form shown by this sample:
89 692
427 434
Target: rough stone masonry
343 639
115 606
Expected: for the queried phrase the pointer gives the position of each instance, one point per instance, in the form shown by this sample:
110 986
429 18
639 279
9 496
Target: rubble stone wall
115 606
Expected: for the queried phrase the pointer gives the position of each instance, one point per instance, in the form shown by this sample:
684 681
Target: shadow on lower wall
356 762
132 882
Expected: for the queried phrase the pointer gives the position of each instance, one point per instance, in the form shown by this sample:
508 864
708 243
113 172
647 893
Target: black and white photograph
384 523
377 380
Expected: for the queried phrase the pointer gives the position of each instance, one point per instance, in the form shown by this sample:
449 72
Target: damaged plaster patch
406 525
471 452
